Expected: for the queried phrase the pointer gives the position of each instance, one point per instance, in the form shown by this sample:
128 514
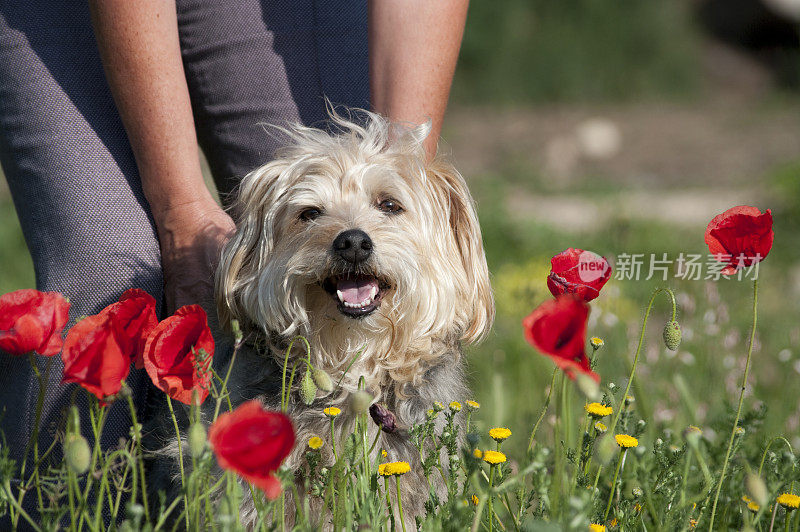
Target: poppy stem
544 409
137 435
180 461
614 483
739 409
34 441
639 350
284 389
224 390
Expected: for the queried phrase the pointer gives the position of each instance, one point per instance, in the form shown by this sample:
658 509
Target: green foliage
536 50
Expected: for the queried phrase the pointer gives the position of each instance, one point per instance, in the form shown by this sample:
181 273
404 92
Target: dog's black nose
353 245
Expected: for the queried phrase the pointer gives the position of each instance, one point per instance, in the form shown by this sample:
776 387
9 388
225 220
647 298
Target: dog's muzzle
357 292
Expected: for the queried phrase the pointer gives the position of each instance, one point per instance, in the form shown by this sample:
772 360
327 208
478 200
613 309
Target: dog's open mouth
357 296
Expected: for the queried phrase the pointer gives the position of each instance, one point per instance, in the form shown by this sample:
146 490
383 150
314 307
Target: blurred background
623 127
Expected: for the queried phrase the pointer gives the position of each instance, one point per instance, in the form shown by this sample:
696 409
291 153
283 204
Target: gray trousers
70 168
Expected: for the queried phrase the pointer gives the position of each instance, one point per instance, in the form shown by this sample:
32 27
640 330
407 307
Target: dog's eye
390 206
312 213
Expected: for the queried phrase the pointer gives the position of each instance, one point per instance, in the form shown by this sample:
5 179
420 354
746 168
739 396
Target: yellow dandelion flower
637 508
600 427
790 501
494 457
473 405
499 433
394 468
594 527
692 523
332 411
598 410
455 406
475 500
314 443
629 399
613 523
477 453
384 454
431 413
438 406
596 342
752 505
625 441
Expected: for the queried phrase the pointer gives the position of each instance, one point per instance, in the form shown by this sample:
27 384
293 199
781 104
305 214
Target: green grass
16 267
576 50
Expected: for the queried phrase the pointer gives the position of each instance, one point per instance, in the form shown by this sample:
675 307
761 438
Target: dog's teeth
340 296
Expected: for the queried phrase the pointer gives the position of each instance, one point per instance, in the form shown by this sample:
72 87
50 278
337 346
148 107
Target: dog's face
357 241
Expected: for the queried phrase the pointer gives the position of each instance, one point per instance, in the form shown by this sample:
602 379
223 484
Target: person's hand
192 236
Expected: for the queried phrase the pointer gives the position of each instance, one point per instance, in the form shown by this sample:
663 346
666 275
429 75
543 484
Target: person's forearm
138 43
413 48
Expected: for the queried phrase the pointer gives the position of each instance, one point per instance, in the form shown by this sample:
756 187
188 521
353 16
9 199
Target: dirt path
674 162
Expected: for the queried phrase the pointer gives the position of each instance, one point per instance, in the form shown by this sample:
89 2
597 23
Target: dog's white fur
430 256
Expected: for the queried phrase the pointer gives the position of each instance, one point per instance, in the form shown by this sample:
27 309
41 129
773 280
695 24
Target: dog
373 253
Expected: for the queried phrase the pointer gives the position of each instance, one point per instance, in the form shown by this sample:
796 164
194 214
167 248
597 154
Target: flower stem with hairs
180 460
34 439
490 497
622 454
639 350
137 436
739 409
544 409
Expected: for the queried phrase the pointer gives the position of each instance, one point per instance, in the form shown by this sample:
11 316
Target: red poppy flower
93 358
557 328
740 236
171 354
133 318
253 442
579 272
32 321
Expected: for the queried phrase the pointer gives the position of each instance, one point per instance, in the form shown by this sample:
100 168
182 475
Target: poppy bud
322 380
606 450
383 417
756 488
588 386
360 401
672 335
237 330
692 435
134 510
308 390
197 439
77 454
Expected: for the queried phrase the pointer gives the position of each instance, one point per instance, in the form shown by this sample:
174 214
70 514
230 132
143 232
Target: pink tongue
356 290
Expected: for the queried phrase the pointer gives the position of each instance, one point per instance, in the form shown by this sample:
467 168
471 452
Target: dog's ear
454 196
245 254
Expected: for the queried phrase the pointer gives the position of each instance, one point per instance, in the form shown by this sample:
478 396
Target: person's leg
250 62
75 187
